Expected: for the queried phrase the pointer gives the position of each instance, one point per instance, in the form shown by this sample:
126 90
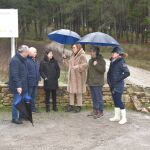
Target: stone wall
133 96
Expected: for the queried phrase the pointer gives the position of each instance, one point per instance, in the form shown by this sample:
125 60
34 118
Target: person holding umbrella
18 83
95 80
50 72
77 71
118 71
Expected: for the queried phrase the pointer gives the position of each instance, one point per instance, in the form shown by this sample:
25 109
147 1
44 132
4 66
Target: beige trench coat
77 73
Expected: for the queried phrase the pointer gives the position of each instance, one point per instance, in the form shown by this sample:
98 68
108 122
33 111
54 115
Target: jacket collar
20 57
99 56
117 60
79 53
47 60
33 59
30 57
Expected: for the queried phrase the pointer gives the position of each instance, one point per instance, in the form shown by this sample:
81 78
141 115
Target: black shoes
47 108
17 121
75 109
91 114
98 115
69 108
55 109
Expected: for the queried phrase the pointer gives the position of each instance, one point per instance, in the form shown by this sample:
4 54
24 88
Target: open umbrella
98 39
23 104
64 36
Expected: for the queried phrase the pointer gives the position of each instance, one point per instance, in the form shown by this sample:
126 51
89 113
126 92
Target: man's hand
95 63
45 79
64 56
19 90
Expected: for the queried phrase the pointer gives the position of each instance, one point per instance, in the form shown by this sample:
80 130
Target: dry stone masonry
134 97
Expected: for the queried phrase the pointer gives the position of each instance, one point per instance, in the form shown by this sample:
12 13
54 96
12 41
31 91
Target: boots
17 121
117 115
47 108
92 113
55 107
69 108
77 109
98 115
123 115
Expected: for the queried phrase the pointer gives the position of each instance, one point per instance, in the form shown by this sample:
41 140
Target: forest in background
126 20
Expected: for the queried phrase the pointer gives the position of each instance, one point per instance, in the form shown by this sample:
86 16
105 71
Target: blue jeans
117 100
32 91
97 98
15 112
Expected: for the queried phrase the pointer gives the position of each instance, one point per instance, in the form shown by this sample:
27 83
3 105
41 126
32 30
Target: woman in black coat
50 72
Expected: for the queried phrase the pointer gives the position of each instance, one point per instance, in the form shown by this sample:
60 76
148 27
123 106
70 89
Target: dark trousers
97 98
33 92
117 99
47 98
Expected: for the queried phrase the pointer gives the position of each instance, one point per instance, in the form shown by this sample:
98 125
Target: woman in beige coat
77 71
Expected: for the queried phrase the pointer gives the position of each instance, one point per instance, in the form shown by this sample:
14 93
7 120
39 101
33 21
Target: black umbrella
98 39
23 104
28 106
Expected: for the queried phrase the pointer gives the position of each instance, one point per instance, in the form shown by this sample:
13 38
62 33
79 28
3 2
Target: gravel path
68 131
138 76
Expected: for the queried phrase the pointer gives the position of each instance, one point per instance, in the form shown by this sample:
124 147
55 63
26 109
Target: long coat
77 76
33 72
118 71
95 75
50 72
18 73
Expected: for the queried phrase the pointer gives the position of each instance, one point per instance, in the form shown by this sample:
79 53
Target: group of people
25 73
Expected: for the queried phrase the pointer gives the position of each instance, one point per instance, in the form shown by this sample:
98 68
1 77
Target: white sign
8 23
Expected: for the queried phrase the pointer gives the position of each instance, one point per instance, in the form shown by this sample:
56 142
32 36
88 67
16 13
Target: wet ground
68 131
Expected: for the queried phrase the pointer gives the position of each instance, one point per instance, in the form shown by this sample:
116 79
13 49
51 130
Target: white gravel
68 131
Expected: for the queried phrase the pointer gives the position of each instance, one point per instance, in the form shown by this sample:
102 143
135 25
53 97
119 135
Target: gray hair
32 49
23 48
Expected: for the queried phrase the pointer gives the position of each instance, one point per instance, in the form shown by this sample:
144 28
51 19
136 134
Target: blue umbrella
64 36
98 39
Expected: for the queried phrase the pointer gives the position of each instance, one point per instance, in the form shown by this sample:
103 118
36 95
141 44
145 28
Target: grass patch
63 77
138 55
5 109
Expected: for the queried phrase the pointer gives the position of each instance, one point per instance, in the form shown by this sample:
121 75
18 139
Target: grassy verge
63 77
5 109
138 55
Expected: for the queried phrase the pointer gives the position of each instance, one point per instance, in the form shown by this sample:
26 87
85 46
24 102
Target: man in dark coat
33 75
118 71
50 72
18 83
95 80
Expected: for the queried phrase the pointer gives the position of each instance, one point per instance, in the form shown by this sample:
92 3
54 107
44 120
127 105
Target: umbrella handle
63 49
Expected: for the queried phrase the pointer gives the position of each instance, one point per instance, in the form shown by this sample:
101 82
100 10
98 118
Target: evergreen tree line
126 20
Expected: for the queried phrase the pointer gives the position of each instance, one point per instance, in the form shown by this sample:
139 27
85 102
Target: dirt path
68 131
138 76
